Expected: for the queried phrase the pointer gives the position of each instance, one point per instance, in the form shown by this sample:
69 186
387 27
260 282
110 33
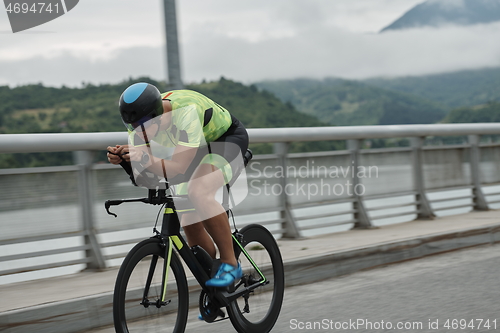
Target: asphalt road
453 292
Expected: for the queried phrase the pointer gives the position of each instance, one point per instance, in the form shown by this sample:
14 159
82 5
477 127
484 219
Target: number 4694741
473 324
36 8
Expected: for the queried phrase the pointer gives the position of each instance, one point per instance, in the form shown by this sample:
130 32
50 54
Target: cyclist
202 133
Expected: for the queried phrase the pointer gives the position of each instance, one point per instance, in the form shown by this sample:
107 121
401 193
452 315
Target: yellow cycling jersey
193 111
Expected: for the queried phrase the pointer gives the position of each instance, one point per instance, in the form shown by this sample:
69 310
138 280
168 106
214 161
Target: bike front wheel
260 261
137 299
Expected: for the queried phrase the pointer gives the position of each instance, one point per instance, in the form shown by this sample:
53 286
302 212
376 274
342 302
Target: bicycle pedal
220 313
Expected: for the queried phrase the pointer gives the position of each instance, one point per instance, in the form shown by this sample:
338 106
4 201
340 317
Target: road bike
152 293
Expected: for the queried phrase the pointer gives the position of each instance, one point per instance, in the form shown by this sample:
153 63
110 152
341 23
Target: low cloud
332 52
247 50
72 70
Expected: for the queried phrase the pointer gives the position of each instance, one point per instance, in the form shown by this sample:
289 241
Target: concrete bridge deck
84 301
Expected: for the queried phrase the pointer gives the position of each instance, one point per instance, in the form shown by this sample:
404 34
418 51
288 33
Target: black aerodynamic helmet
139 103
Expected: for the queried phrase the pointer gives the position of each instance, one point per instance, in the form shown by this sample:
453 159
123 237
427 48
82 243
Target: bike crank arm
230 297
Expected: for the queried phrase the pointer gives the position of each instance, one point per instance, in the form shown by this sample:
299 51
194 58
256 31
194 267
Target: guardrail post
360 216
479 199
84 160
290 226
423 206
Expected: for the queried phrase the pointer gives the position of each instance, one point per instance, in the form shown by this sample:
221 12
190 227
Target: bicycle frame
171 237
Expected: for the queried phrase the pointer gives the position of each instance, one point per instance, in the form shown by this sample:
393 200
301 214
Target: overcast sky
108 41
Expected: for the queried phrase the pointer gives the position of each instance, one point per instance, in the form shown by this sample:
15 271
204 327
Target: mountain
94 108
436 13
343 102
454 90
39 109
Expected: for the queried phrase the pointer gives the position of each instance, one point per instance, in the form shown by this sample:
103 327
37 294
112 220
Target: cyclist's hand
113 157
123 151
117 154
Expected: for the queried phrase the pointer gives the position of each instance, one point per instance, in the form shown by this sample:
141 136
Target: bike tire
128 314
264 303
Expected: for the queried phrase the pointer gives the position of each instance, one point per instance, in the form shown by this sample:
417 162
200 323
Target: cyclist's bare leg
202 187
196 233
218 227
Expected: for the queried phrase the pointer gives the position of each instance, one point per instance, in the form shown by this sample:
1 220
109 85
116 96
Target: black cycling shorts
226 153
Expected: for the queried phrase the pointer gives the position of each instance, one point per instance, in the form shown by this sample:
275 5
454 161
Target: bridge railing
53 217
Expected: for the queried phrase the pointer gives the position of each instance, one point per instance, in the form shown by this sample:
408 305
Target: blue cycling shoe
226 275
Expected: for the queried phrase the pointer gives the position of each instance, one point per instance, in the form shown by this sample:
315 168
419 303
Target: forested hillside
468 96
486 113
343 102
39 109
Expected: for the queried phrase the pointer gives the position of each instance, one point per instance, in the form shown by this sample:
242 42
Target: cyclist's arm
181 159
190 138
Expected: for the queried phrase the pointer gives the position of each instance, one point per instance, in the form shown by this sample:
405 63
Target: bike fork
152 266
166 264
164 282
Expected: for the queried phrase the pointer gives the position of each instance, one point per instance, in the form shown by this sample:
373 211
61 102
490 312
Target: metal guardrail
356 213
56 142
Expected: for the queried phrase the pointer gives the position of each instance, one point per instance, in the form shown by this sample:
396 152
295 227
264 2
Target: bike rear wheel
130 313
259 311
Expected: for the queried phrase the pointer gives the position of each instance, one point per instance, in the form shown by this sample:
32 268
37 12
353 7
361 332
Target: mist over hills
437 13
